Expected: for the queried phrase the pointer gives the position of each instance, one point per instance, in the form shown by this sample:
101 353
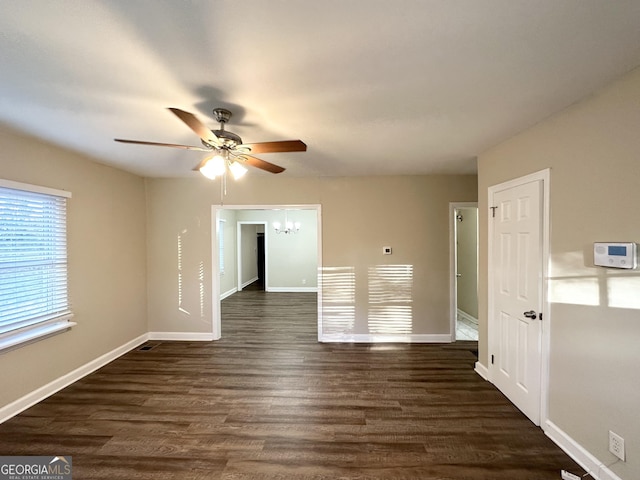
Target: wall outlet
569 476
616 445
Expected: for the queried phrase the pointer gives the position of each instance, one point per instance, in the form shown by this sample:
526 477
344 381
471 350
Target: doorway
261 261
285 266
464 270
250 253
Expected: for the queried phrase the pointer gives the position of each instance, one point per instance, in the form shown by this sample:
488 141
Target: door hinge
493 211
540 315
492 359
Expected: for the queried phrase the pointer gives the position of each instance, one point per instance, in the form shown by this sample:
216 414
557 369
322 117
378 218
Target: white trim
453 251
320 264
543 176
481 370
466 316
12 339
228 293
247 283
293 289
182 336
27 187
215 273
577 452
381 338
30 399
546 306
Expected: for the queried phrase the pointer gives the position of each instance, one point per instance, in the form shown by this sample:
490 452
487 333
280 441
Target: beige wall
107 271
359 217
593 150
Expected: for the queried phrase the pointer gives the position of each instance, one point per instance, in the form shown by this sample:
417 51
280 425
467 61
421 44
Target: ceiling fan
227 149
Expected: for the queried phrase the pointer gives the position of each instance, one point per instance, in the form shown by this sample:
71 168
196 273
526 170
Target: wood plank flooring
269 402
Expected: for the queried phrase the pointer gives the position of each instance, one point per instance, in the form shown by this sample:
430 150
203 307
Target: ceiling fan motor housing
222 115
228 140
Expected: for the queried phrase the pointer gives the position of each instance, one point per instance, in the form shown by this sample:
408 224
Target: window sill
12 340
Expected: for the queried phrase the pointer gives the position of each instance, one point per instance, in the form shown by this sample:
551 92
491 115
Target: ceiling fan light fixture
208 171
223 143
214 167
237 170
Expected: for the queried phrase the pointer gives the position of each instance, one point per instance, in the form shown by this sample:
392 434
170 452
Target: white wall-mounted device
386 250
615 255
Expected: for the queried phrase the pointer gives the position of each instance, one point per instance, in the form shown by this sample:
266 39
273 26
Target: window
221 223
33 263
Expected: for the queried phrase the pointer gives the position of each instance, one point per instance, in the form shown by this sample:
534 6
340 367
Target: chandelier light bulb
289 226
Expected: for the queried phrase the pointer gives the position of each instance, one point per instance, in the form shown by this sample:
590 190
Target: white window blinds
33 265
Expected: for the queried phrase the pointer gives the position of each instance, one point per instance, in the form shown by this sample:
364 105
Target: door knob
458 275
530 314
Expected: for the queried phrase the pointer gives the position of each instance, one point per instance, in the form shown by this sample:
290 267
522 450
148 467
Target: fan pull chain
223 188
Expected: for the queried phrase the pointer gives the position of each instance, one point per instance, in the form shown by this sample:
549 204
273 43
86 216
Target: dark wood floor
269 402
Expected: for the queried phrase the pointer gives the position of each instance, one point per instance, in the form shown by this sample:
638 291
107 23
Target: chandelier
289 227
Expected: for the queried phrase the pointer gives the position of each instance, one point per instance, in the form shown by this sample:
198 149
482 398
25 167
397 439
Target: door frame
239 249
453 259
216 323
543 176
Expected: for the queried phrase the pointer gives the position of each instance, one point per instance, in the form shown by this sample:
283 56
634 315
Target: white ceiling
374 87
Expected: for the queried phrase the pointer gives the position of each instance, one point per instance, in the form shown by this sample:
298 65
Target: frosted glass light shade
237 170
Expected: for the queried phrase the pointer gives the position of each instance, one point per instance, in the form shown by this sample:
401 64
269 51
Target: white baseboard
576 451
248 282
182 336
30 399
228 293
466 316
482 371
378 338
292 289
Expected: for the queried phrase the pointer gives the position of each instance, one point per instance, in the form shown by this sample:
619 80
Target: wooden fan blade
197 126
156 144
261 164
201 164
276 147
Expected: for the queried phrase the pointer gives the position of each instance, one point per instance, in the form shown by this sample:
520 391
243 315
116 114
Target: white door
515 326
